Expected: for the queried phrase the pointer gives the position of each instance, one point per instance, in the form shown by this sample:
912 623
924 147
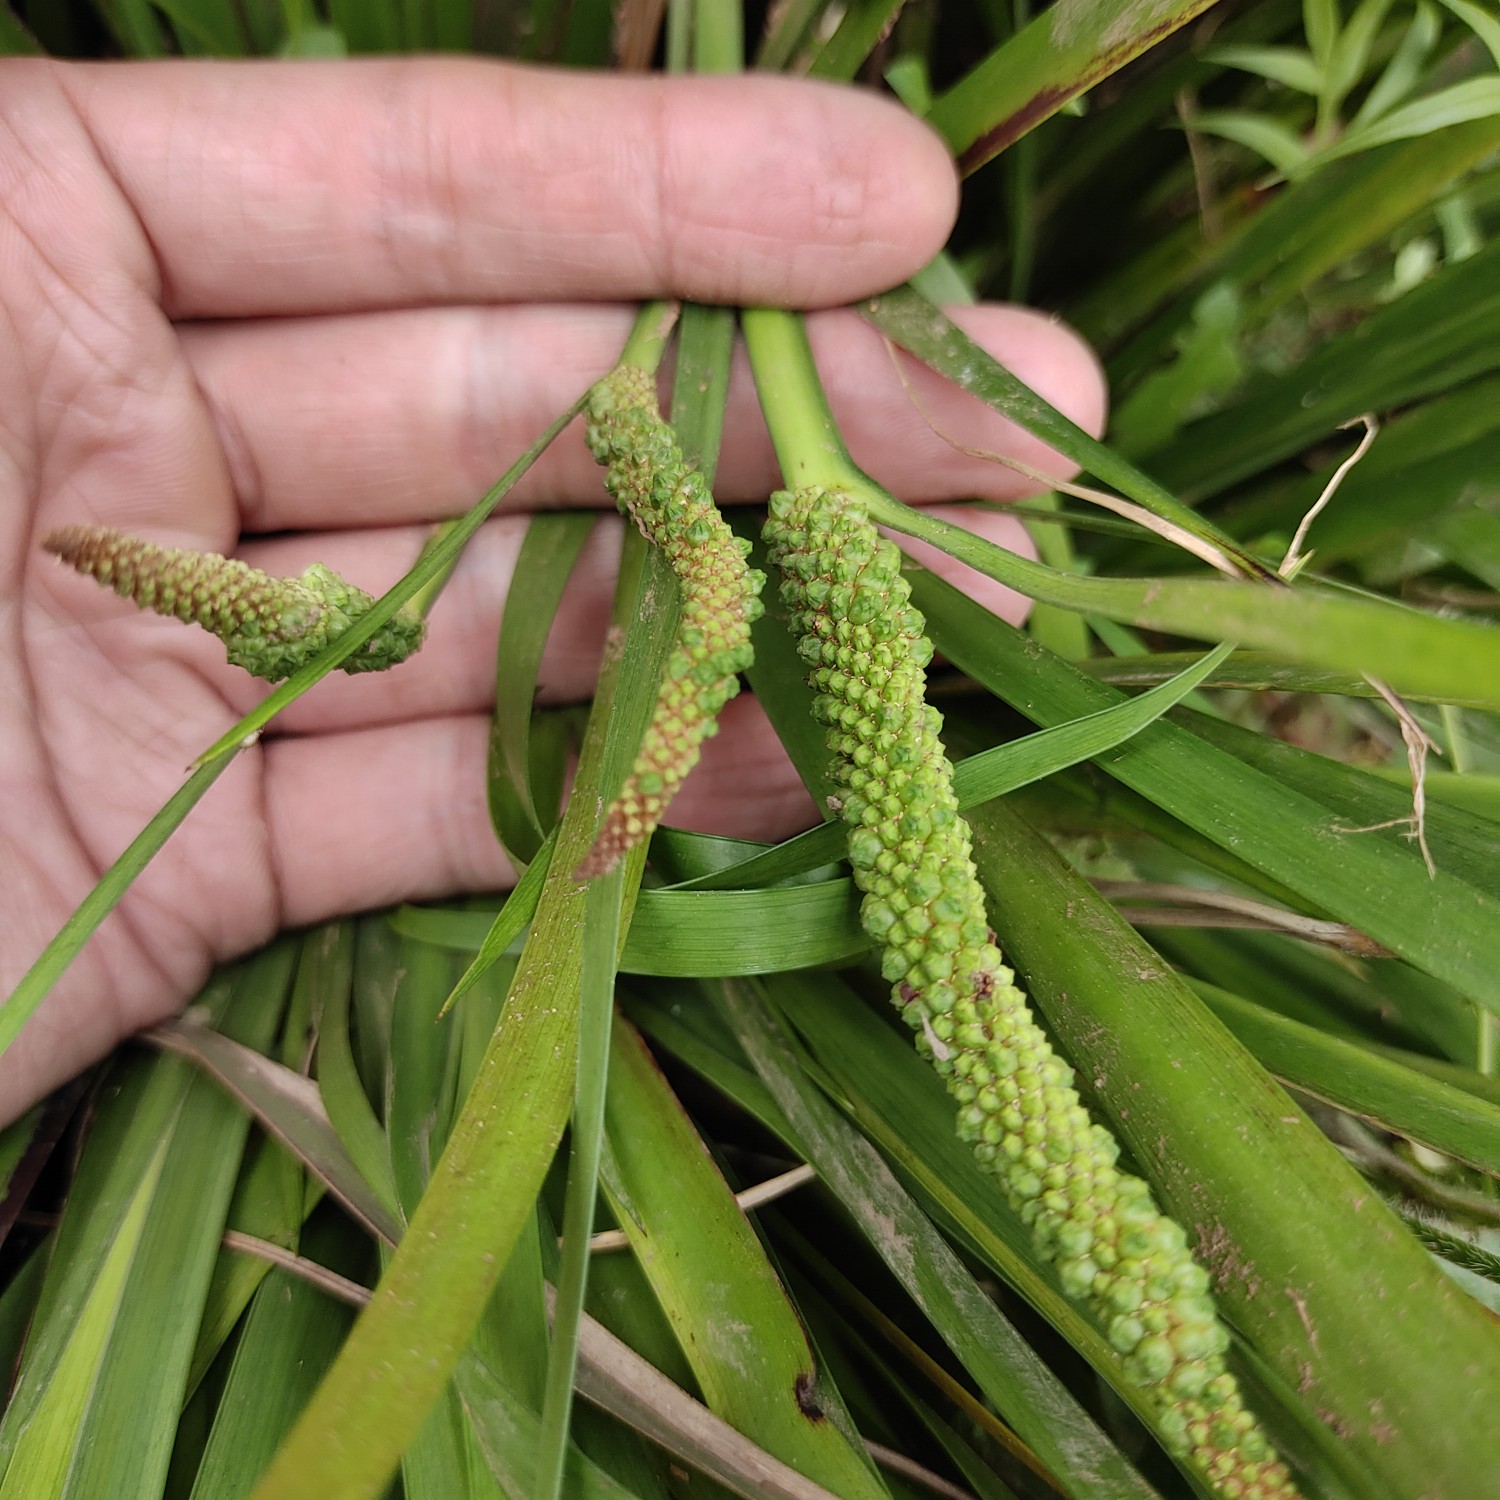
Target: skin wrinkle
661 255
416 185
148 278
241 465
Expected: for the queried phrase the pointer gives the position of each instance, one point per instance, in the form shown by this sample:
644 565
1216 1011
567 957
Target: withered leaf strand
670 502
271 627
1114 1250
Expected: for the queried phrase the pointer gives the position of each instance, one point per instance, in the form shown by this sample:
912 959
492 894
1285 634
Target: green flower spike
670 502
1114 1251
271 627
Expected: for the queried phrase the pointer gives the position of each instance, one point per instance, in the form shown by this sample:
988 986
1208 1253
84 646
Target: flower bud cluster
271 627
1114 1250
670 502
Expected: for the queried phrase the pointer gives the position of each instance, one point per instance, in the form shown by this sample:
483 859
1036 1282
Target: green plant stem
718 36
649 334
807 440
104 897
601 944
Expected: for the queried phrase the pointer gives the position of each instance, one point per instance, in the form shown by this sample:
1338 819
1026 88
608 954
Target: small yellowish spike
670 502
271 627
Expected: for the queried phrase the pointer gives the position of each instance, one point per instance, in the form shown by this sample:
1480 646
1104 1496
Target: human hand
297 312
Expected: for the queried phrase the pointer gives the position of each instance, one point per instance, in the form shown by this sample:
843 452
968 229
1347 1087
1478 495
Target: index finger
276 188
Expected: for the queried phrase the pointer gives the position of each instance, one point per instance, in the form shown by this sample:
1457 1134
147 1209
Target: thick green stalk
910 850
272 627
669 501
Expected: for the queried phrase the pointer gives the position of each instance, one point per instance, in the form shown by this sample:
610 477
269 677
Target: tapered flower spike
1114 1250
271 627
670 502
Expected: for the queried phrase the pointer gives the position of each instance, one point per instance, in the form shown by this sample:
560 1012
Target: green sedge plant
1124 1169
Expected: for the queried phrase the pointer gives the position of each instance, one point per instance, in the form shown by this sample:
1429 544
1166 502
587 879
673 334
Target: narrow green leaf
212 26
105 896
1004 1366
291 1335
619 1381
786 29
1285 65
509 1434
1065 51
1321 21
1282 146
1483 23
1450 1120
596 983
45 1449
977 778
421 1069
1406 66
368 25
863 26
97 1405
362 1144
1466 846
510 921
549 551
747 1349
289 1108
480 1197
1247 671
1443 332
911 321
1351 54
1413 652
1441 924
1474 99
15 39
700 383
270 1202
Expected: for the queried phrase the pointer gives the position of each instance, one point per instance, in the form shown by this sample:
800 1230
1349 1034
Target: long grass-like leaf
1007 1371
105 896
1068 49
601 945
1333 1292
548 554
1441 923
1448 1119
287 1105
99 1395
748 1352
992 773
